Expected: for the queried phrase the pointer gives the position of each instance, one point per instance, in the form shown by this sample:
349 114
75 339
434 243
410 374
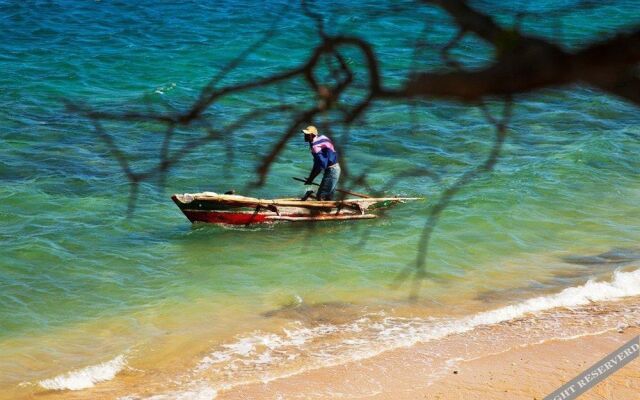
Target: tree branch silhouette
521 64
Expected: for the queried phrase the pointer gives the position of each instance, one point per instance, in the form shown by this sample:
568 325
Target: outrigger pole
364 196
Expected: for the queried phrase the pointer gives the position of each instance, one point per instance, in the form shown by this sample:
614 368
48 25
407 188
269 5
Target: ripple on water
565 185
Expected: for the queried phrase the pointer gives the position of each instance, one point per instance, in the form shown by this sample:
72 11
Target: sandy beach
526 357
507 361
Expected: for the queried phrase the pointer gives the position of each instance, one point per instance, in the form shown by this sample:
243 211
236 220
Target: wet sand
510 360
522 358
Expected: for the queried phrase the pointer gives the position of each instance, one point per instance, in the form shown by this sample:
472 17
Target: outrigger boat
233 209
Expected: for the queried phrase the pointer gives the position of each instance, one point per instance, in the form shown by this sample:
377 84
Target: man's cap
311 130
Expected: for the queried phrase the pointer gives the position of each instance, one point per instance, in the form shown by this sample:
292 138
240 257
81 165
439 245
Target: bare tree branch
419 270
521 64
525 64
469 20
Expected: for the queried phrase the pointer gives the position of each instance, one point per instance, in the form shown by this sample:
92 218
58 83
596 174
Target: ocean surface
145 305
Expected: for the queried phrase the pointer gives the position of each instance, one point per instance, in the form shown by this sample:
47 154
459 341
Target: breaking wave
299 347
623 284
86 377
265 356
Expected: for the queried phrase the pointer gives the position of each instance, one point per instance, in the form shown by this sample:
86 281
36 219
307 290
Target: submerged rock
614 256
329 312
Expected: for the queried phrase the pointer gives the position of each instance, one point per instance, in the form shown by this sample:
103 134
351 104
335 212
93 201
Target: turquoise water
80 282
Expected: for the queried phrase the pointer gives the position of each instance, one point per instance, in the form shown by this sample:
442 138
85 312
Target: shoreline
496 360
471 366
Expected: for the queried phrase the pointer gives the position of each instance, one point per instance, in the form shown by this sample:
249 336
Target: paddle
339 190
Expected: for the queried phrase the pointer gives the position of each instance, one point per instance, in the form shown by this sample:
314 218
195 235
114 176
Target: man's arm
319 163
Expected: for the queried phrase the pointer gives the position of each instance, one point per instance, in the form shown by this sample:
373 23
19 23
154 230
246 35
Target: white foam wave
623 284
86 377
326 345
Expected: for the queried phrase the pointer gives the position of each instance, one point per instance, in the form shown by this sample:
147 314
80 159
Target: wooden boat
233 209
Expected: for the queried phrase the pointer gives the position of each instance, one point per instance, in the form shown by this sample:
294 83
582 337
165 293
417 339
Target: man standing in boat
325 159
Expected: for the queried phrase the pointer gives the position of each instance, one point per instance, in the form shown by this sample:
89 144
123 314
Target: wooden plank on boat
251 201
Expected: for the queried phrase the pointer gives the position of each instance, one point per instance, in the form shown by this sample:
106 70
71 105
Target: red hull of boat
230 218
